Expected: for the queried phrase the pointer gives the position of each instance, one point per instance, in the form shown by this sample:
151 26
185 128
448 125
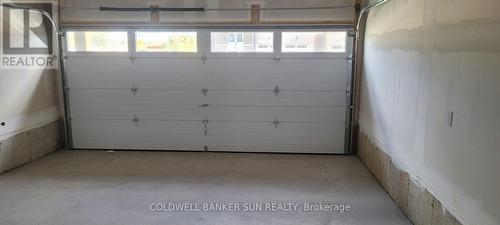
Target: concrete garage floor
96 187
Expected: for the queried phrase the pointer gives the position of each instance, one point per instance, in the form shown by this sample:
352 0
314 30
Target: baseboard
30 145
421 207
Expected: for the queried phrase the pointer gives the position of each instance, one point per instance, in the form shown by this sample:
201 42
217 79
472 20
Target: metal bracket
132 58
134 90
205 124
349 58
204 59
276 122
277 59
352 33
204 105
276 90
66 89
204 91
136 120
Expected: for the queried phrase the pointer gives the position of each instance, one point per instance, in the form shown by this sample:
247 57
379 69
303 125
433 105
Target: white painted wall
28 97
424 58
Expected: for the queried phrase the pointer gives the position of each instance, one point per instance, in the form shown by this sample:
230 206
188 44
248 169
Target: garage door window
166 42
97 41
313 42
241 41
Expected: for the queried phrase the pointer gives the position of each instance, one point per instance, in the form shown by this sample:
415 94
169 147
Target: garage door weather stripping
28 36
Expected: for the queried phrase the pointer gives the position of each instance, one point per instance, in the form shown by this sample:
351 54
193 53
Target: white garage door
199 90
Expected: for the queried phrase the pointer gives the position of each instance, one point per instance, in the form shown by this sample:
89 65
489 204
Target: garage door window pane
313 42
241 41
166 42
97 41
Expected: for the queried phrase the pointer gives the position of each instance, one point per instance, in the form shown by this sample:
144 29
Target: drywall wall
422 60
28 95
30 115
87 11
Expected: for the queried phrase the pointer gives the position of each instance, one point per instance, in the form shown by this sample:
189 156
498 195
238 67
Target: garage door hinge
276 90
134 90
205 124
277 59
349 58
204 105
352 33
132 58
66 89
136 120
276 122
204 91
204 59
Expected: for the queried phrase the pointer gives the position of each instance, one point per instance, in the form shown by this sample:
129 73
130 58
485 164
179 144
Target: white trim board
17 124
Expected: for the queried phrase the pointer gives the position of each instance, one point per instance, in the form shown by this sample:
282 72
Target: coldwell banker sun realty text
247 207
28 37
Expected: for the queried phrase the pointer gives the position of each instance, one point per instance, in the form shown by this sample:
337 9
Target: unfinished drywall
236 11
421 207
28 95
29 101
426 59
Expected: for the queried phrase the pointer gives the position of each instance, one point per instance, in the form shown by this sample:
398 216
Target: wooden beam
255 14
155 15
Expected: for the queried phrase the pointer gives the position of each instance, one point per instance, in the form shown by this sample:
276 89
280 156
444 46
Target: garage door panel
142 83
143 98
312 74
157 101
127 112
298 81
240 81
154 73
97 65
301 82
313 67
268 98
289 74
290 114
287 137
171 105
240 73
240 65
150 135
